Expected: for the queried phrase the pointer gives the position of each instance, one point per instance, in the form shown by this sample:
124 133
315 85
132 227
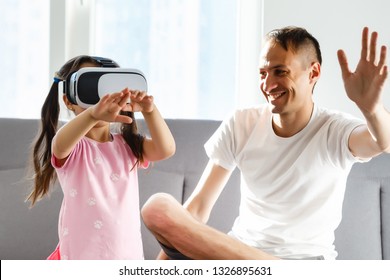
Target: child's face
75 108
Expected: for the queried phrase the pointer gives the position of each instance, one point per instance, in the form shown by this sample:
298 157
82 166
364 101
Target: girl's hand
109 107
140 102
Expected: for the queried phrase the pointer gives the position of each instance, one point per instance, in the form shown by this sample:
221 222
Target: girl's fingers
123 119
127 107
137 95
123 99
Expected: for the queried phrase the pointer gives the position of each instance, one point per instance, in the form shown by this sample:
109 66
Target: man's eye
280 72
263 75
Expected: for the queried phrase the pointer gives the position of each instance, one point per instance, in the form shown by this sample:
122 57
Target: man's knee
157 211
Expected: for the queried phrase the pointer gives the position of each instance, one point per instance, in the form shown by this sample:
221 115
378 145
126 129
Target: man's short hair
295 38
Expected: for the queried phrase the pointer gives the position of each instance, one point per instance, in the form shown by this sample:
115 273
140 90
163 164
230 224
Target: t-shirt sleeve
221 145
338 139
54 160
145 164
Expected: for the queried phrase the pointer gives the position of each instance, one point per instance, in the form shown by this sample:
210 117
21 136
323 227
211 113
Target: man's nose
268 83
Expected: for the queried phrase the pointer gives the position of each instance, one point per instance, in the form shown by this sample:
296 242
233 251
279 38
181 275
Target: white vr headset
86 86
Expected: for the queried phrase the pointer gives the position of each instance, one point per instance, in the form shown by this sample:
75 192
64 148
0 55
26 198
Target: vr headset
86 86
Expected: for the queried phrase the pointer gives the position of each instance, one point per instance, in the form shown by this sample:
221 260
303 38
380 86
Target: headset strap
105 62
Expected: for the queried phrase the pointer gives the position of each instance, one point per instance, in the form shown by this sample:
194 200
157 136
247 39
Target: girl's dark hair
44 173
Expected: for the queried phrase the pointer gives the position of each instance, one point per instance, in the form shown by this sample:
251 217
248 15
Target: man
294 159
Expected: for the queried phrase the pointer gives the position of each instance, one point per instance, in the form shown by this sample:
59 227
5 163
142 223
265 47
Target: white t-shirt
292 188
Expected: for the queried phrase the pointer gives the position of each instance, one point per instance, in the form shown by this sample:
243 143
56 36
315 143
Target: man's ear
315 72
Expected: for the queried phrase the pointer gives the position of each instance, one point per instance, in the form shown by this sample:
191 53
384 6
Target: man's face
286 78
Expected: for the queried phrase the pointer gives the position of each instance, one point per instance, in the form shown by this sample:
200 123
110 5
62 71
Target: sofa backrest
24 233
364 232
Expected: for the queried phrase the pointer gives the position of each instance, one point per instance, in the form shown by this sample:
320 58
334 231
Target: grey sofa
32 233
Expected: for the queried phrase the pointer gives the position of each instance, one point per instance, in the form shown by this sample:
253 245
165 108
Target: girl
97 170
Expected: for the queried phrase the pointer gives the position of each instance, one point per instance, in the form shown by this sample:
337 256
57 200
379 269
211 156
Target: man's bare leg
175 227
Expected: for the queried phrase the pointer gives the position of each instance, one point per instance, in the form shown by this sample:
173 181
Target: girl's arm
107 109
162 144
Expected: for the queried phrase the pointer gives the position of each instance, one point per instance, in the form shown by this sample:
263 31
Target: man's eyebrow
274 67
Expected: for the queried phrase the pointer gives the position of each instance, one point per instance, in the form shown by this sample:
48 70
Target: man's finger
373 42
382 58
343 63
364 52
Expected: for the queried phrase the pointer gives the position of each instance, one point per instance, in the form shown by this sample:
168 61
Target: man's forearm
379 126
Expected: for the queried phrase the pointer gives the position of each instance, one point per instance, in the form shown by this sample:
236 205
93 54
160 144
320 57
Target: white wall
337 24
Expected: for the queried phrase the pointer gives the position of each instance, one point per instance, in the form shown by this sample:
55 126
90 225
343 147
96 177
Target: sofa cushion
152 181
17 136
385 216
23 229
365 230
365 227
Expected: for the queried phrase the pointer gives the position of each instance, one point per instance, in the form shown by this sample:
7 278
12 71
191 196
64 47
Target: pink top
99 216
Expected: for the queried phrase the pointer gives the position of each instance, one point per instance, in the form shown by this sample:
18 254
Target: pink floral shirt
99 216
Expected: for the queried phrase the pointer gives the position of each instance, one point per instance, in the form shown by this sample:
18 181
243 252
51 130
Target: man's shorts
174 254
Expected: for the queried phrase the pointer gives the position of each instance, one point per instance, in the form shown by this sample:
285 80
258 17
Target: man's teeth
275 95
